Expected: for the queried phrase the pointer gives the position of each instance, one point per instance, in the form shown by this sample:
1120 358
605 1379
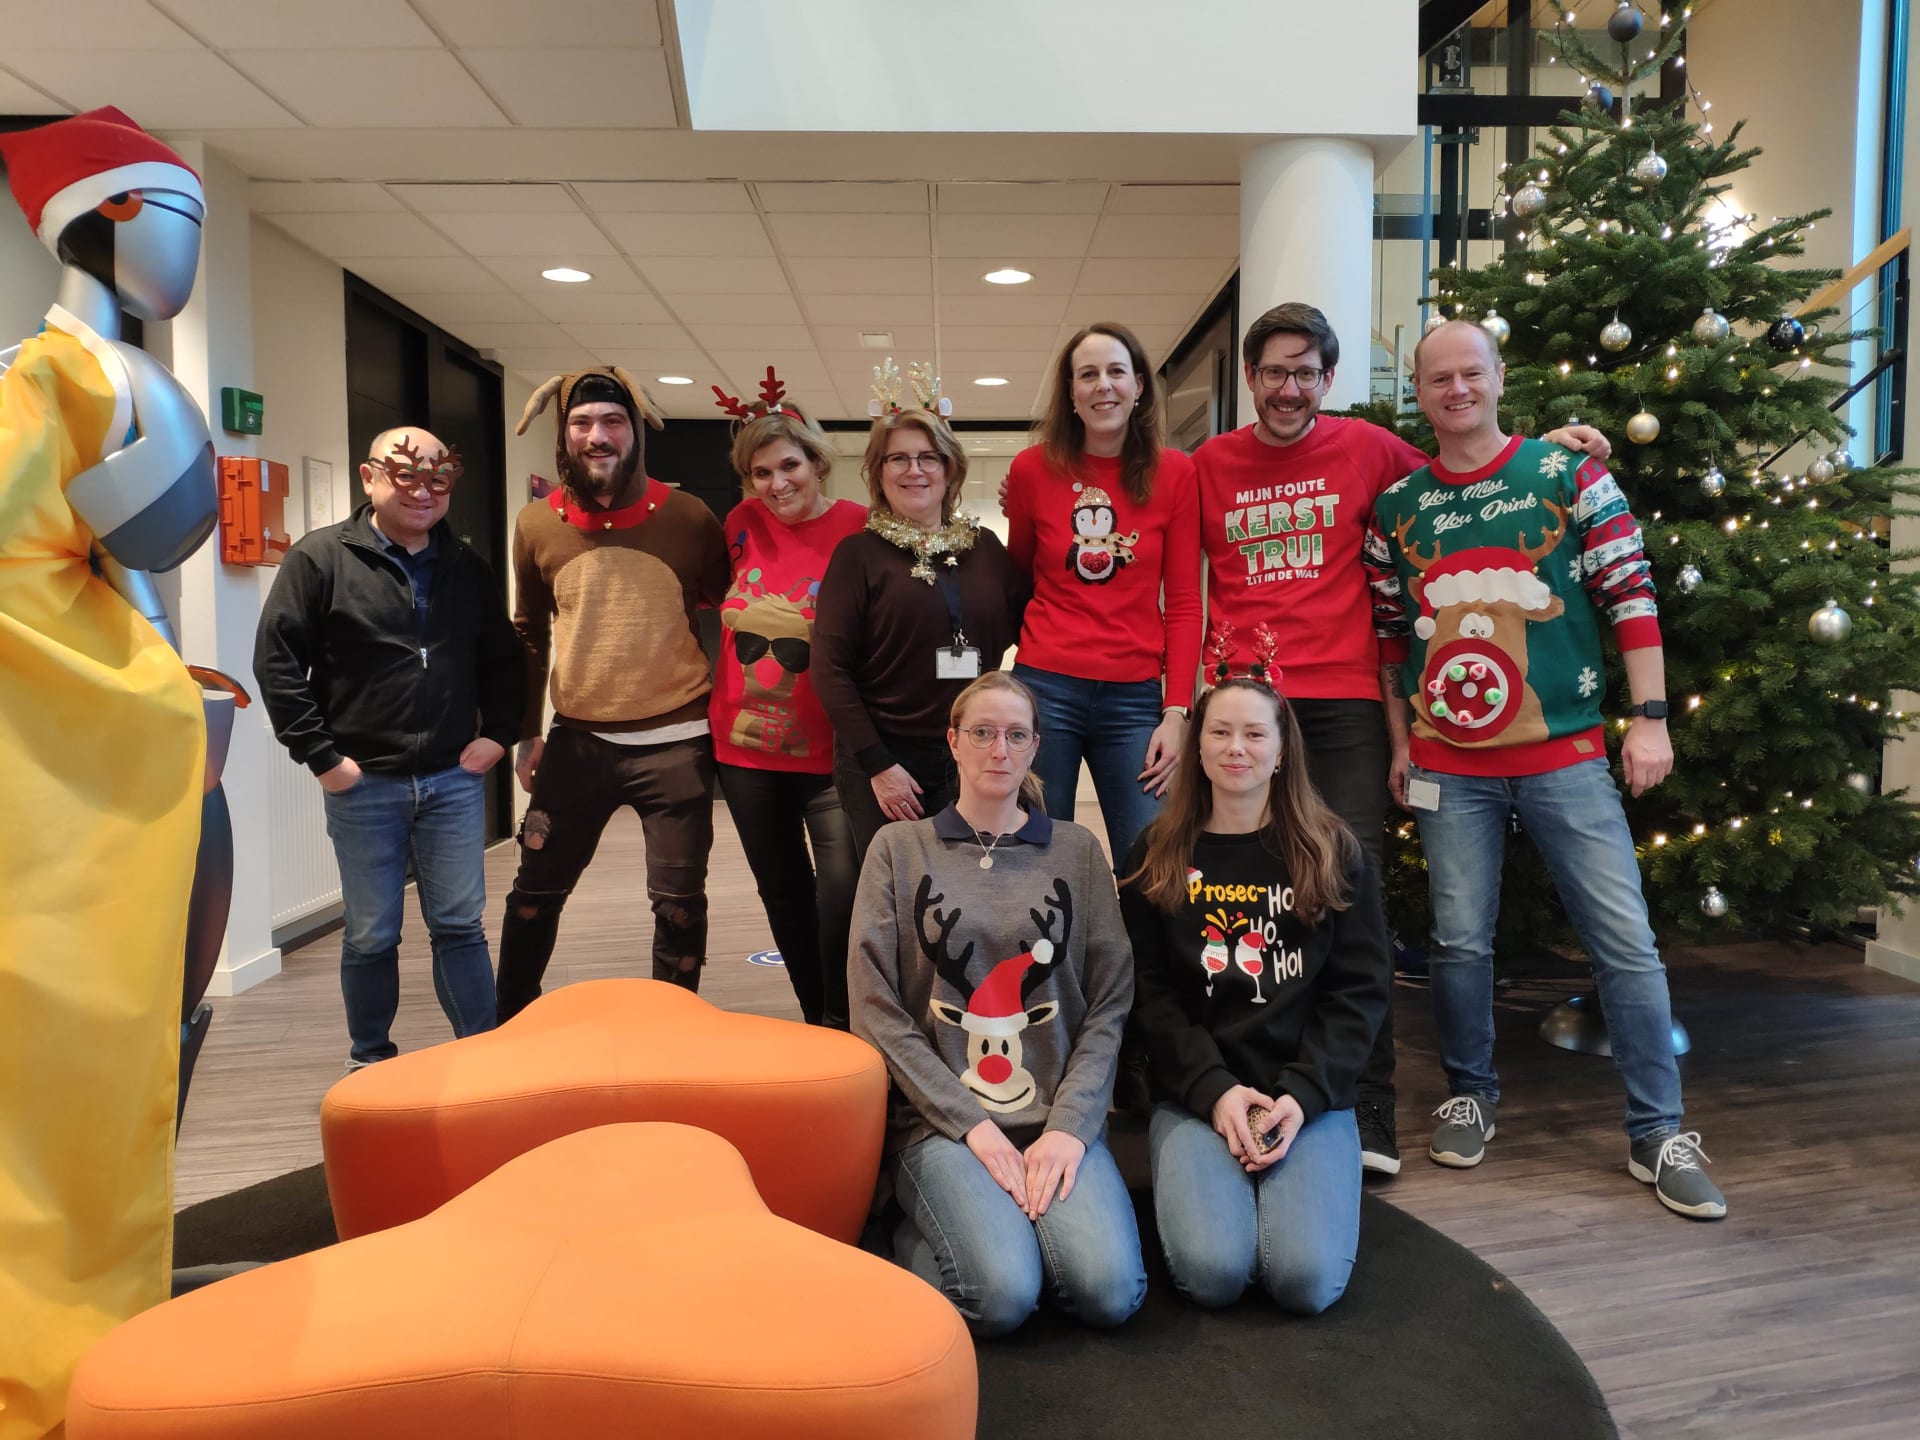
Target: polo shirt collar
949 824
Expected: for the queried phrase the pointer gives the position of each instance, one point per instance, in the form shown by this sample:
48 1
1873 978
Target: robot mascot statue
106 765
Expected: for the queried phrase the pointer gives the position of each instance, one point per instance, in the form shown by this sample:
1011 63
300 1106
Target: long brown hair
1032 794
1063 436
1309 839
939 434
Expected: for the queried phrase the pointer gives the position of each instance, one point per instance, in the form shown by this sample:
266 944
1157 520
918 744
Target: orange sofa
625 1280
805 1106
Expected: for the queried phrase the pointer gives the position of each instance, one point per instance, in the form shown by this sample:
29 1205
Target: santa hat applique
997 1006
58 172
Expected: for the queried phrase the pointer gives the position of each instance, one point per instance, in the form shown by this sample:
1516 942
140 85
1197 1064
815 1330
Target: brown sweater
875 631
607 598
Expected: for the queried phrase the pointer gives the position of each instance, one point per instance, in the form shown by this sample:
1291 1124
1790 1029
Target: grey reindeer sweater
992 994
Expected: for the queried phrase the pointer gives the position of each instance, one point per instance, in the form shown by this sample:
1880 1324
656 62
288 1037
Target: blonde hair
1032 793
939 435
772 429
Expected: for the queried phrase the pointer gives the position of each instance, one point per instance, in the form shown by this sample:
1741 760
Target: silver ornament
1495 324
1624 24
1713 904
1820 471
1713 484
1528 201
1841 461
1434 322
1690 578
1615 335
1644 428
1859 780
1649 170
1711 328
1830 624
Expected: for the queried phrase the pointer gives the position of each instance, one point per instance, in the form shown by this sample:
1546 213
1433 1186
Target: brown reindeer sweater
993 994
607 598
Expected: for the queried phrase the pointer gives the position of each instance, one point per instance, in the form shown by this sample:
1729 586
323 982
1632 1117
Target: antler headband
1261 669
926 390
772 401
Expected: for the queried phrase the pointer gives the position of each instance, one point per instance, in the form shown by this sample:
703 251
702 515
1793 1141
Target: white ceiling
449 150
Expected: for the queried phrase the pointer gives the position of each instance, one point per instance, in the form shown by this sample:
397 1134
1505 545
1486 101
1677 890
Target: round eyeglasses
1018 737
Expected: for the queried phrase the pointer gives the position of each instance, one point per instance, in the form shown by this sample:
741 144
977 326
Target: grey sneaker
1466 1124
1669 1160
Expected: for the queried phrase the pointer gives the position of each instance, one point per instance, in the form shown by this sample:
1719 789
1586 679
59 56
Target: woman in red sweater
772 742
1104 519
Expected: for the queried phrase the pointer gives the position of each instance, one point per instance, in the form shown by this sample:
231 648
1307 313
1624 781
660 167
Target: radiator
302 872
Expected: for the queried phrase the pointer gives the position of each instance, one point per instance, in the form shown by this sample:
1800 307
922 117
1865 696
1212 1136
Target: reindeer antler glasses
407 469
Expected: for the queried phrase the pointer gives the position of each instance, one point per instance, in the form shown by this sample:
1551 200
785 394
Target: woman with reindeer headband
1254 1058
772 745
990 969
912 609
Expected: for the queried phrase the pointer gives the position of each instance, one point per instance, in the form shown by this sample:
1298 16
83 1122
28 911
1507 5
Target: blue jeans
438 822
1576 821
1293 1227
1107 723
965 1237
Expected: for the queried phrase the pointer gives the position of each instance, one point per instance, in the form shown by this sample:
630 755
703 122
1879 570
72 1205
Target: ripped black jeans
581 781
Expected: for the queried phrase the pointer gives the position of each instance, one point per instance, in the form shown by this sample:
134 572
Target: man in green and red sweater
1490 568
1284 503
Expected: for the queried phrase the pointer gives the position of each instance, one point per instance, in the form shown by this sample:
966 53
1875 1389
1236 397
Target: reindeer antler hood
609 377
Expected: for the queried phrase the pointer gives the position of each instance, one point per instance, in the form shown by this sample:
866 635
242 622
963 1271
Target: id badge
956 662
1422 794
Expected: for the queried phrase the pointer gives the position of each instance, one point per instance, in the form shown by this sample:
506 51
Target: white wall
29 276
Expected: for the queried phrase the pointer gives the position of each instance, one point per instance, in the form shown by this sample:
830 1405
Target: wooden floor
1798 1316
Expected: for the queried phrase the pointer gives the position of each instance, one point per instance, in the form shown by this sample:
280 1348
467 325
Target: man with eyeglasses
1284 504
390 670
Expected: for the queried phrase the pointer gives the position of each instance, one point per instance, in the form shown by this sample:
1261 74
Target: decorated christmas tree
1639 303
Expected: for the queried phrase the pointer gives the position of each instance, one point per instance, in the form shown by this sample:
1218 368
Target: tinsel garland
952 540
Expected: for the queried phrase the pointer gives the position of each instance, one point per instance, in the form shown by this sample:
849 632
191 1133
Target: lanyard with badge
957 660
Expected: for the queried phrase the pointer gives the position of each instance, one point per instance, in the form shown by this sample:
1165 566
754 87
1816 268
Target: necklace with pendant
986 851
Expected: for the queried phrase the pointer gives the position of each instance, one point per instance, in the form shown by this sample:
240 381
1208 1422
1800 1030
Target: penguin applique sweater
993 994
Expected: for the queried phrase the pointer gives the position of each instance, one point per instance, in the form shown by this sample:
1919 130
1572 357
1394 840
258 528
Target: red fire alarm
253 510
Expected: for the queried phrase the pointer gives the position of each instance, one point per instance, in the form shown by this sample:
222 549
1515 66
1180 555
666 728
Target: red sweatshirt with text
1282 527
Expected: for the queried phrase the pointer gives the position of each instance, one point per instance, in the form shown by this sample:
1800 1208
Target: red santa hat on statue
58 172
997 1006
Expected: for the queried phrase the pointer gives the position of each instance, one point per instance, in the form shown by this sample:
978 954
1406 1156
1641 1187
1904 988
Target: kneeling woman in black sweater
1260 976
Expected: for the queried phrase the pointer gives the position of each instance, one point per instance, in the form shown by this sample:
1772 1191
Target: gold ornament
1644 428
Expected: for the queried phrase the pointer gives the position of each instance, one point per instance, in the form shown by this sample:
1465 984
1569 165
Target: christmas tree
1637 303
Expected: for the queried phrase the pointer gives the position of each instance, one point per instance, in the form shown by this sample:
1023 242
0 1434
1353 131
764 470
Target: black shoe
1379 1151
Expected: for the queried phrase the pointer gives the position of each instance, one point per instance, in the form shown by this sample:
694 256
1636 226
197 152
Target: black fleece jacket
1323 989
347 669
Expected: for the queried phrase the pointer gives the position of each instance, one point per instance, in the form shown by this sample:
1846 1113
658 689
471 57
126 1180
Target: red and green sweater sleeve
1614 569
1383 581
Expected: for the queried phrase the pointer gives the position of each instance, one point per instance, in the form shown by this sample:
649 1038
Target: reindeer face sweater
994 994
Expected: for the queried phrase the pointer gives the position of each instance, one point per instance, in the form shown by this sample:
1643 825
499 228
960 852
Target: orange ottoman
625 1280
805 1106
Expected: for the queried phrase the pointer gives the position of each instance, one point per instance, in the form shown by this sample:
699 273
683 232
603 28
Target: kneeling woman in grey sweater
990 967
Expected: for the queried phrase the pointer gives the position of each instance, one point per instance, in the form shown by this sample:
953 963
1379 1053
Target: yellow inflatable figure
102 747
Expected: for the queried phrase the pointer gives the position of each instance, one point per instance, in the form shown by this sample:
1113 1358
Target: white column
1306 234
218 605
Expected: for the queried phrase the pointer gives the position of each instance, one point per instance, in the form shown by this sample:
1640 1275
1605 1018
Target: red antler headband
772 401
1262 669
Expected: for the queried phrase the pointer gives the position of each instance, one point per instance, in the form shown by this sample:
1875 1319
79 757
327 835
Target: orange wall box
253 511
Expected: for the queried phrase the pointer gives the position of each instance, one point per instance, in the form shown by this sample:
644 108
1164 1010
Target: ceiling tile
870 312
965 364
577 305
396 89
1003 310
842 342
83 24
750 366
611 275
445 275
353 236
1139 310
708 235
546 362
294 24
664 197
485 198
482 306
737 275
188 90
1175 200
1154 277
19 98
514 22
740 310
992 236
993 337
857 275
845 197
582 89
740 338
1050 277
1050 198
631 337
838 235
511 335
656 362
1148 236
507 235
278 197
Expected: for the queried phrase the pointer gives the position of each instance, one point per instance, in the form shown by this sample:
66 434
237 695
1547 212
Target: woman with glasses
911 609
990 969
772 744
1260 978
1104 519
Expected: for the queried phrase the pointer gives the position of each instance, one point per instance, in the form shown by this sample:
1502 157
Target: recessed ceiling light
675 379
991 380
566 275
1007 276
